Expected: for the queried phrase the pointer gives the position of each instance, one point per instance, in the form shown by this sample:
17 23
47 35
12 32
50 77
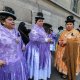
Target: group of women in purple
35 62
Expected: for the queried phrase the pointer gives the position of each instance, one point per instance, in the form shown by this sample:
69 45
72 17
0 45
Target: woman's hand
23 47
2 63
62 43
49 40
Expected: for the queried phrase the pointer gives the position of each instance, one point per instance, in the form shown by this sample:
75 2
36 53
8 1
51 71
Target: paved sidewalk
56 76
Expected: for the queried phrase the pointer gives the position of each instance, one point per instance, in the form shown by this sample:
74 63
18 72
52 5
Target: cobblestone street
56 76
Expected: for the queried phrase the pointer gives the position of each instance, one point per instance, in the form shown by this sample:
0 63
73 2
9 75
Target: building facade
55 11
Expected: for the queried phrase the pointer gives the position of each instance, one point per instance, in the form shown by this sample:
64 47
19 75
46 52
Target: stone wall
64 3
54 14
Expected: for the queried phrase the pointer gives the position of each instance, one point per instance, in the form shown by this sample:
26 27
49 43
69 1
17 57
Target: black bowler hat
7 11
47 25
60 28
39 15
70 19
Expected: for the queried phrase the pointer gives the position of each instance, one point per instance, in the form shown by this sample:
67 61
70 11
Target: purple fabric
37 41
44 54
53 36
11 53
14 71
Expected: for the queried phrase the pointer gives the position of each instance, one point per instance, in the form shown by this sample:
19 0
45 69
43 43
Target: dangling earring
4 23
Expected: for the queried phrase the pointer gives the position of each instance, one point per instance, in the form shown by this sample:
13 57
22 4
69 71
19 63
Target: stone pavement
56 76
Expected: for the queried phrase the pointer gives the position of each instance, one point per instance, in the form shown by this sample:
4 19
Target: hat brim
8 14
60 28
70 21
37 17
47 25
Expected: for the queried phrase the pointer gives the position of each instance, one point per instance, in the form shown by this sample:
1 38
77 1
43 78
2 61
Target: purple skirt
14 71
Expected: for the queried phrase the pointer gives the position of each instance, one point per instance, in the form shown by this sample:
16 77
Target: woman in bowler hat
38 53
70 32
12 63
24 32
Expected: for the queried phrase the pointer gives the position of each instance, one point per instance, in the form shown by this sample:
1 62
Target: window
75 5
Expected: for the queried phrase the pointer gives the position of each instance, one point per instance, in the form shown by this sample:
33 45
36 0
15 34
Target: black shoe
63 76
48 78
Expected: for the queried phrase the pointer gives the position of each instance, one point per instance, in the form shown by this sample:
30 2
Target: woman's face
69 26
9 23
40 22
